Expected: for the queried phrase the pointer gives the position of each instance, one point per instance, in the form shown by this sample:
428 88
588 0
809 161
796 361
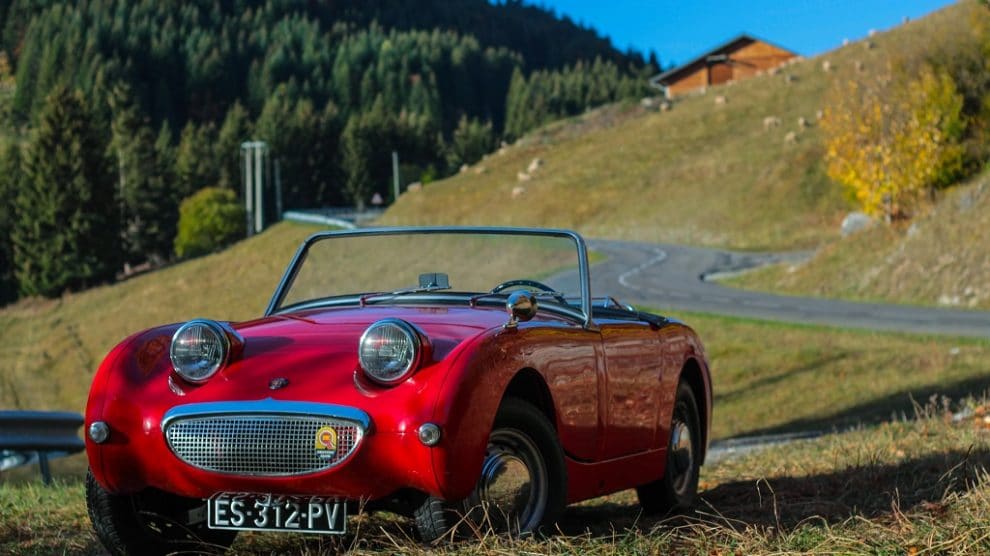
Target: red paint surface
612 390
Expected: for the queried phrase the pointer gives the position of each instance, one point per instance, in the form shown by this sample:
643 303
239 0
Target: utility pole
395 175
259 205
256 175
248 176
278 189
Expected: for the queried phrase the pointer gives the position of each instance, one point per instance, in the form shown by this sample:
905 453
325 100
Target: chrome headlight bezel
415 341
217 362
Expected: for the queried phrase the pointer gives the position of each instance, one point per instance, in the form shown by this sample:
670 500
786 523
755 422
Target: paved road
671 277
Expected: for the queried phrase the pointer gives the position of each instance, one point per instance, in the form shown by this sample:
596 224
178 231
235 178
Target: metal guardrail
342 217
44 433
310 218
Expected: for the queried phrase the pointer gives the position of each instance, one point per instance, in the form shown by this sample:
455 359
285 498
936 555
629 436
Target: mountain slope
714 170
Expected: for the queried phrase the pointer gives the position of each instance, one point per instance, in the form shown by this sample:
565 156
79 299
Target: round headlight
389 351
199 348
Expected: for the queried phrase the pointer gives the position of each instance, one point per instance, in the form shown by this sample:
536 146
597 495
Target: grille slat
260 445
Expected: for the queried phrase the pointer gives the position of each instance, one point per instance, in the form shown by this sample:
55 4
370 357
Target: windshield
383 265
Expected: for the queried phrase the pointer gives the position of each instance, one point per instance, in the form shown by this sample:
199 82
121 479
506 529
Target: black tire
151 523
677 490
435 518
521 439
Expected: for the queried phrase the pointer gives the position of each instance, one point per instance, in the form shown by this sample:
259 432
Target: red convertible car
447 374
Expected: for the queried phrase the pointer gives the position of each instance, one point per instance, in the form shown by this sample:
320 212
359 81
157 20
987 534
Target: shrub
209 220
893 138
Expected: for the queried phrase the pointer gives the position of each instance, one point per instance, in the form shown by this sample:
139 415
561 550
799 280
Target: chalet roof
743 37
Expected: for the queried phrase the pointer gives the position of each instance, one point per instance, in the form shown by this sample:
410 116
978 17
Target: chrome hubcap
681 454
513 486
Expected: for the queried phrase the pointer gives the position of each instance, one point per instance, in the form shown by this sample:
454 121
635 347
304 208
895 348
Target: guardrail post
46 472
47 433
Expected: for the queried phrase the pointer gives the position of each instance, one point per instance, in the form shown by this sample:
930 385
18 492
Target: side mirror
521 306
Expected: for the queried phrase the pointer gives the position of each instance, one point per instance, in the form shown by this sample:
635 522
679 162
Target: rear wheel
677 490
523 484
152 522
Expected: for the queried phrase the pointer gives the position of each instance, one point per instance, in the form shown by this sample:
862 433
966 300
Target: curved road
672 277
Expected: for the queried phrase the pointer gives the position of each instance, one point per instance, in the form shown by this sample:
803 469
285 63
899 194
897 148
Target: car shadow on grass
869 490
897 405
771 380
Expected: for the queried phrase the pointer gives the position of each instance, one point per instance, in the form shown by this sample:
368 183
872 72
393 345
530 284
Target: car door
633 365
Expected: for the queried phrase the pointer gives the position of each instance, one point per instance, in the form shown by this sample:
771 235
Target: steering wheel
530 283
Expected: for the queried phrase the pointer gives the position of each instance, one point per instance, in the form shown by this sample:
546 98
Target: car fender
469 399
136 359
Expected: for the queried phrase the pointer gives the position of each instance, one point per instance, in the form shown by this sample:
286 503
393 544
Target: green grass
774 377
894 488
940 259
768 377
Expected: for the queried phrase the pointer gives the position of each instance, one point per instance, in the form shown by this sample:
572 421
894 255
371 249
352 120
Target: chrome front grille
260 444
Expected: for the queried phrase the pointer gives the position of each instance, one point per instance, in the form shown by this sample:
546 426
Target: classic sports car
386 374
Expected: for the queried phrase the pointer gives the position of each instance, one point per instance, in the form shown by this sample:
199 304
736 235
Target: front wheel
152 522
523 484
677 490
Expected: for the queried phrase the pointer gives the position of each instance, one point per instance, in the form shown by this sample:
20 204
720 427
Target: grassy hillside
49 349
940 259
711 174
706 172
680 176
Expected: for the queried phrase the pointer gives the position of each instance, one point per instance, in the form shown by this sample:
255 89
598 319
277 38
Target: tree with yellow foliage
892 139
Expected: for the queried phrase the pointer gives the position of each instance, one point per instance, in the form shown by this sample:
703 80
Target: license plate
275 512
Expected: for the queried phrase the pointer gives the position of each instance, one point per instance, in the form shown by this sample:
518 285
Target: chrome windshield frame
582 248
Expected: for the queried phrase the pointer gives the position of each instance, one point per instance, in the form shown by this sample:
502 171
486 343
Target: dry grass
904 487
940 259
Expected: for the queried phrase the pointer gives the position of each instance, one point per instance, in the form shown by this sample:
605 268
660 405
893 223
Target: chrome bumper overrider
265 438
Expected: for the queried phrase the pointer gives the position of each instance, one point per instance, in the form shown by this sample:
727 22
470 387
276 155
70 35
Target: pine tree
319 162
470 142
356 152
235 130
67 232
195 161
10 177
148 210
515 105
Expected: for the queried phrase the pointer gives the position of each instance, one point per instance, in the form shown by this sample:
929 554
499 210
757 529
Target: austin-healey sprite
447 374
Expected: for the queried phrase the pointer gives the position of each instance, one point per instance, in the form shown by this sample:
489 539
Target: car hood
337 331
315 351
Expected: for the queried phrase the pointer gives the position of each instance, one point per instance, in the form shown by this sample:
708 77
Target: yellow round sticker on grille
326 439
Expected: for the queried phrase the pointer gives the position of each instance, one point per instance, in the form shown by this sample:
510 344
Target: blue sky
679 31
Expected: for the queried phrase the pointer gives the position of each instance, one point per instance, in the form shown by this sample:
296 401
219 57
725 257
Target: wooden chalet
738 59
